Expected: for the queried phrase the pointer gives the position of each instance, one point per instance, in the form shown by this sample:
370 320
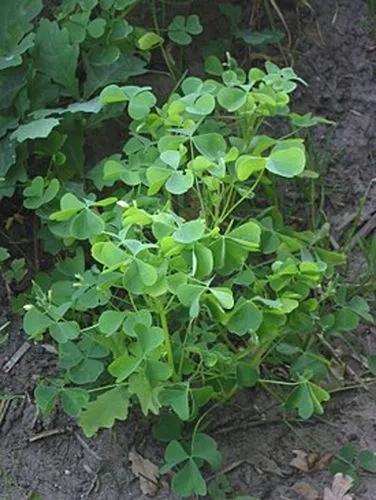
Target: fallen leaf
341 485
305 491
311 462
146 471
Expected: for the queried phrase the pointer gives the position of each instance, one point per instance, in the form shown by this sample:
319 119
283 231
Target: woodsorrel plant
179 282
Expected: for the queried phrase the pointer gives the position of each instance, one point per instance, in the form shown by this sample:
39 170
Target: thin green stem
244 197
165 55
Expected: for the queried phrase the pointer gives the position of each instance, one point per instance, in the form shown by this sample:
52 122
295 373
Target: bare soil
336 54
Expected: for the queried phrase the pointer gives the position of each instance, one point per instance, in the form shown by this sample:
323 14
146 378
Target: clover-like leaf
181 28
40 192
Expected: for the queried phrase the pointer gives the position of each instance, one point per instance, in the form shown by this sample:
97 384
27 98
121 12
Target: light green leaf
64 331
287 162
247 165
112 94
102 412
35 129
189 232
86 224
149 41
212 145
180 182
224 296
123 366
231 98
247 235
111 321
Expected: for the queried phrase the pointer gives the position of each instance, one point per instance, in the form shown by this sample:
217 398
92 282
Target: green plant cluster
178 281
48 63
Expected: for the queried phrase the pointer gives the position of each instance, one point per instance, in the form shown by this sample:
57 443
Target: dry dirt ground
336 54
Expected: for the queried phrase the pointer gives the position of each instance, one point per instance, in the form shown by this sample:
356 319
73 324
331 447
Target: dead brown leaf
146 471
311 462
341 485
306 491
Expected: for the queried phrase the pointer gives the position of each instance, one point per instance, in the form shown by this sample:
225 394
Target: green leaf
123 366
367 460
112 94
148 273
109 254
175 454
45 397
86 372
69 355
74 399
189 296
176 397
224 296
40 192
247 165
181 28
188 481
246 374
205 448
15 23
35 129
35 323
180 182
11 82
203 261
96 27
360 306
287 162
55 56
231 98
141 104
86 224
149 338
149 41
203 105
118 71
247 235
245 318
346 320
64 331
111 321
301 399
212 145
104 410
190 232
